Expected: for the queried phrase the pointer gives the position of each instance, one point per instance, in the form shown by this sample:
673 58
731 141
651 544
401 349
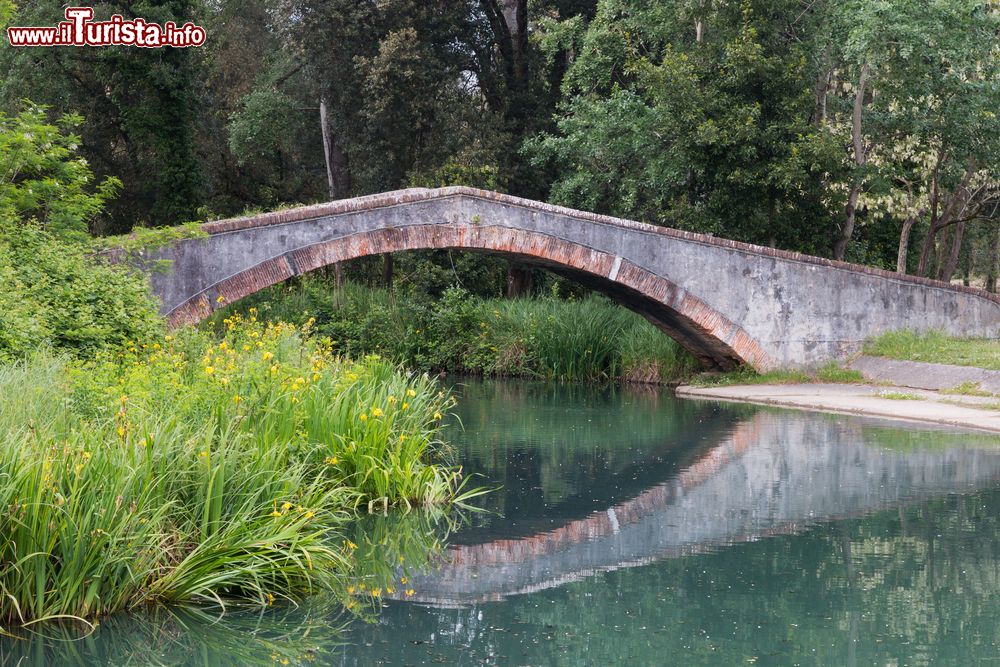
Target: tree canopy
864 130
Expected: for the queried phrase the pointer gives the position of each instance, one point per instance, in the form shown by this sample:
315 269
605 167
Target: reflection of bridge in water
770 475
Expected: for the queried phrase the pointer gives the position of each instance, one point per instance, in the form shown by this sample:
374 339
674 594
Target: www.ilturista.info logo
79 30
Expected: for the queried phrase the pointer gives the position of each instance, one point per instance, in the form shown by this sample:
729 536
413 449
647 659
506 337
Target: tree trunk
387 270
846 231
994 260
822 88
904 240
699 21
950 263
519 281
338 176
515 14
957 202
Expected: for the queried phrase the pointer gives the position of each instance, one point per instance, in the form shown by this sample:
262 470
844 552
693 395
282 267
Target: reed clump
193 468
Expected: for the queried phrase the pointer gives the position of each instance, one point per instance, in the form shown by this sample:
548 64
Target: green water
635 529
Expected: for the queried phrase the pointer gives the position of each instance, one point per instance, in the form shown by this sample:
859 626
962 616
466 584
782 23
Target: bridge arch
727 302
704 332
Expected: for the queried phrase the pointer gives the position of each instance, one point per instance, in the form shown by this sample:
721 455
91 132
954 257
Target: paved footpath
919 406
921 375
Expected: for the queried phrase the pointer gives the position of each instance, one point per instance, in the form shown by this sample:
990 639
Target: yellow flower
437 415
168 338
331 460
285 506
402 580
391 399
246 348
409 592
202 453
389 590
406 406
363 417
209 370
236 398
221 299
270 599
411 393
267 356
376 412
309 515
275 513
350 590
376 592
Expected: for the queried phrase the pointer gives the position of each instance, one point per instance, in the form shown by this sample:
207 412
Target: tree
919 81
142 107
693 115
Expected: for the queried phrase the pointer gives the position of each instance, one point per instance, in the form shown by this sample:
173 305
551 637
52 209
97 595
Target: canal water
628 527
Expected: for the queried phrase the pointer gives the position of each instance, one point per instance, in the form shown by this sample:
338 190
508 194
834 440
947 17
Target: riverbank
892 402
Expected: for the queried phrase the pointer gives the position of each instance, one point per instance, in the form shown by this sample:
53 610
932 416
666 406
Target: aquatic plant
192 468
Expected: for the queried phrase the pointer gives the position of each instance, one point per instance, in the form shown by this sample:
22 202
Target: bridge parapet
727 302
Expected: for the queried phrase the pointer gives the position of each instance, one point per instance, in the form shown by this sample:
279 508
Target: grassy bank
937 348
831 373
589 339
193 468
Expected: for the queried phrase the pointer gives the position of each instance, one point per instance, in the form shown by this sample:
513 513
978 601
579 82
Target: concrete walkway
921 375
981 413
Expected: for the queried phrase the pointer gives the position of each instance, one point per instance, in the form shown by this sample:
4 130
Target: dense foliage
54 293
546 337
194 468
858 130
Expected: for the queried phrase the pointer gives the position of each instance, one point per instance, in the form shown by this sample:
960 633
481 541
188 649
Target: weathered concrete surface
920 375
771 475
928 407
726 302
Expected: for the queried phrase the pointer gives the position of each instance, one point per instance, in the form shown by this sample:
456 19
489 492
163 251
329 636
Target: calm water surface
632 528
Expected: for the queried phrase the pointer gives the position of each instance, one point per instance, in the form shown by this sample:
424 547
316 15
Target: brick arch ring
696 326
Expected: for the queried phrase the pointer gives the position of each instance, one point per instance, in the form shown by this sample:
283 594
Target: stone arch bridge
726 302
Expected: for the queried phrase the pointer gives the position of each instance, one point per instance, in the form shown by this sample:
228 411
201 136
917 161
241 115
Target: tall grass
195 469
588 339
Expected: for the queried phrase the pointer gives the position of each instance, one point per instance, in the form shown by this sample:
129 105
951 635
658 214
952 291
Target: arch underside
713 339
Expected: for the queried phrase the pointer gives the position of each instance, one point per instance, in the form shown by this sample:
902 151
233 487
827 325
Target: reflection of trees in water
564 451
